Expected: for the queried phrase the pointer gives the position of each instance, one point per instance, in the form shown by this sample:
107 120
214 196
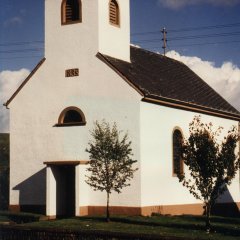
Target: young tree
212 165
111 165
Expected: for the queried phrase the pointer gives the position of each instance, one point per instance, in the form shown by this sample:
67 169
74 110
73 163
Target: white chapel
91 72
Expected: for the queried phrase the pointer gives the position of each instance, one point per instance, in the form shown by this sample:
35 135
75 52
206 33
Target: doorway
65 190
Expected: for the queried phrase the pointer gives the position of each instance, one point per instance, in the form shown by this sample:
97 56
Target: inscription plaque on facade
72 72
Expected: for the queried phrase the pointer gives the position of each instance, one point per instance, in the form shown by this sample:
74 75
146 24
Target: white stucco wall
159 187
114 40
70 45
51 190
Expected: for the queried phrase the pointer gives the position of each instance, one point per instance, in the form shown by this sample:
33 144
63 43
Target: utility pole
164 39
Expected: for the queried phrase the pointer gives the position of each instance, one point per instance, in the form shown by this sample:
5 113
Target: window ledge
176 175
114 24
71 22
70 124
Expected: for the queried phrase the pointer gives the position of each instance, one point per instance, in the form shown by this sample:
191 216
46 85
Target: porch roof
70 162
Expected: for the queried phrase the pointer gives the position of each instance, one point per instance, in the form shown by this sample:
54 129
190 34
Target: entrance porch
65 186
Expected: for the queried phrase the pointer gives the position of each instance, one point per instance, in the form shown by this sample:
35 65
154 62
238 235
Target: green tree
111 164
212 164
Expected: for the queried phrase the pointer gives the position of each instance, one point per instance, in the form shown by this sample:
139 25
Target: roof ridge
157 54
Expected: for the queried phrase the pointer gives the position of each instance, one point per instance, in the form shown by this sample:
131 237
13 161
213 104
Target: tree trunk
108 214
208 211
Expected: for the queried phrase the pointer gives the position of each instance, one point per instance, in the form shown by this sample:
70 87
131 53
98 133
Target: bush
21 217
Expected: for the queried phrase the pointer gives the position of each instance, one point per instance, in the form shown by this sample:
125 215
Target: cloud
177 4
23 12
136 46
9 82
225 79
13 21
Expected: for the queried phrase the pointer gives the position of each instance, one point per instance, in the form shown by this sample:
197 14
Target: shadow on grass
214 219
182 222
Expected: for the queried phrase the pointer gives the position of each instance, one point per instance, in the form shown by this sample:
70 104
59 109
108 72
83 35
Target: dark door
65 180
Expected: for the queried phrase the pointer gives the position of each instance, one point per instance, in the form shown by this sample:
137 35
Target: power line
189 29
206 36
205 27
145 41
199 44
209 43
5 58
22 50
19 43
227 34
144 33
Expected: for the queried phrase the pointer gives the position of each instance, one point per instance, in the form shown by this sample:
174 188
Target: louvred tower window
71 11
114 17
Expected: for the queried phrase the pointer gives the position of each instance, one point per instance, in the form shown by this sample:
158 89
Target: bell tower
79 29
114 28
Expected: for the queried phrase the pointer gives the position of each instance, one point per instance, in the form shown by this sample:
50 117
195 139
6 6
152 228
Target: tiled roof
160 77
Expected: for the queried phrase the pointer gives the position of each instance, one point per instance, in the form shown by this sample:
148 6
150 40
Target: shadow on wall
225 206
4 188
32 193
4 171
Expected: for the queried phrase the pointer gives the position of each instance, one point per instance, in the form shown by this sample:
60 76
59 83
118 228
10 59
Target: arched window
114 16
71 116
177 152
71 11
229 164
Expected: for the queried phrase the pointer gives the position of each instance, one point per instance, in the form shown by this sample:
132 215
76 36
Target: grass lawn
187 227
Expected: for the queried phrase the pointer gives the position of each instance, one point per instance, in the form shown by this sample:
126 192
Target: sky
203 34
